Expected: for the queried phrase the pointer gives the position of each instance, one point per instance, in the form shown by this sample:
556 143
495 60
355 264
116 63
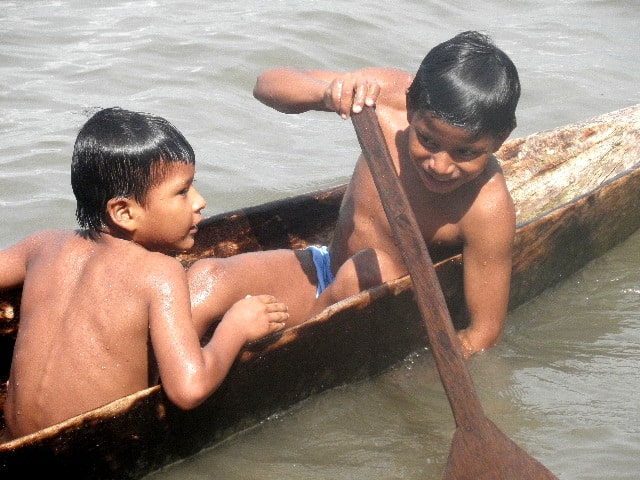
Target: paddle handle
431 302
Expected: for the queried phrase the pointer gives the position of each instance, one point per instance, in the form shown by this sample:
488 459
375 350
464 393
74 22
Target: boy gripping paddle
476 438
442 125
106 310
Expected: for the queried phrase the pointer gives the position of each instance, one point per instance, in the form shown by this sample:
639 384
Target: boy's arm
487 258
290 90
188 372
248 319
13 262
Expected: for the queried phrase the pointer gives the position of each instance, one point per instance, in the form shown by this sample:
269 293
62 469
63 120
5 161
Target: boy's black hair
122 154
469 83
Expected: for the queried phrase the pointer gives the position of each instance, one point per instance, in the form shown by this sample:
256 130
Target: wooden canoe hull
363 335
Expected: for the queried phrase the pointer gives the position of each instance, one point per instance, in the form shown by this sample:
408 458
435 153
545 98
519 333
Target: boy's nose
441 163
199 202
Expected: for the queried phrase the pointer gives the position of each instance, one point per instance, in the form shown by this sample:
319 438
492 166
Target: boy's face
447 157
167 223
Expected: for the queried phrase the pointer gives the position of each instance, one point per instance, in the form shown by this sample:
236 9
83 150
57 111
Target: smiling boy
442 127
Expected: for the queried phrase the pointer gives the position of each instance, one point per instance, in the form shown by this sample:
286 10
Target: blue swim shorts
322 261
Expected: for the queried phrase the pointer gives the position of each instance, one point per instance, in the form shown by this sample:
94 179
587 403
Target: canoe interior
576 190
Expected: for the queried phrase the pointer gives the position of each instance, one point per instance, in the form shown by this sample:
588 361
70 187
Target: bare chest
364 222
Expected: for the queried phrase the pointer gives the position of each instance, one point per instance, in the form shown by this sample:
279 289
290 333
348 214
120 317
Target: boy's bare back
85 334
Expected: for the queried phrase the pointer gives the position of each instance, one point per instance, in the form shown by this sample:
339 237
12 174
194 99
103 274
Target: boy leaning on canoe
106 310
442 126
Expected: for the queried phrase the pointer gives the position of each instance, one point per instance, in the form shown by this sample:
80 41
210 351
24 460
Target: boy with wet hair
105 310
468 83
442 127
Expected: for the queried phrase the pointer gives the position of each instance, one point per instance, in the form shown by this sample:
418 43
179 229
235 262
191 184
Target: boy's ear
122 212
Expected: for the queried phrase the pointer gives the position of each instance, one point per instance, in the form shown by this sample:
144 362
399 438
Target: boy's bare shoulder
393 86
494 196
390 75
492 205
50 234
46 239
155 268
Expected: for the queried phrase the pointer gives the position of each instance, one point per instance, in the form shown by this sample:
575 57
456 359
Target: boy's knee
200 267
374 267
360 272
205 272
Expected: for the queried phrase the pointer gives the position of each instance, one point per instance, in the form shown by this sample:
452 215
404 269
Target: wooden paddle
479 450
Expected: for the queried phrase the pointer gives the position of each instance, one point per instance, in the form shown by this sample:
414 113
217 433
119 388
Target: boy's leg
217 283
365 269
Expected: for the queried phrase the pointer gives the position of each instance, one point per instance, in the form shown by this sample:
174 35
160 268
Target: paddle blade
483 452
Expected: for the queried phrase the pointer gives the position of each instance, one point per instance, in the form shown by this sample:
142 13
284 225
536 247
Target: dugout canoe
577 192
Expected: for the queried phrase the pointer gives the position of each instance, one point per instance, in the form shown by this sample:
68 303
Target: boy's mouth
438 184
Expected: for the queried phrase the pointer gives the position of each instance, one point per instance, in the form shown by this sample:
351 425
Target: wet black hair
469 83
122 154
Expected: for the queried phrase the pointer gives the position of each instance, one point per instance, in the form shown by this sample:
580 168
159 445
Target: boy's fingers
359 98
275 326
279 318
350 94
366 93
373 91
274 306
339 94
264 298
283 315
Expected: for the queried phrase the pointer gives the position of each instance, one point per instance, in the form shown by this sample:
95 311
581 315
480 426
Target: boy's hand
467 347
350 93
258 315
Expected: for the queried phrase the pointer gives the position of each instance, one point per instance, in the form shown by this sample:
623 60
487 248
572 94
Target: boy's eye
185 191
428 142
465 153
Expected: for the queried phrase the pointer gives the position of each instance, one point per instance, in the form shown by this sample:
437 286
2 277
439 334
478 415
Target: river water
563 383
